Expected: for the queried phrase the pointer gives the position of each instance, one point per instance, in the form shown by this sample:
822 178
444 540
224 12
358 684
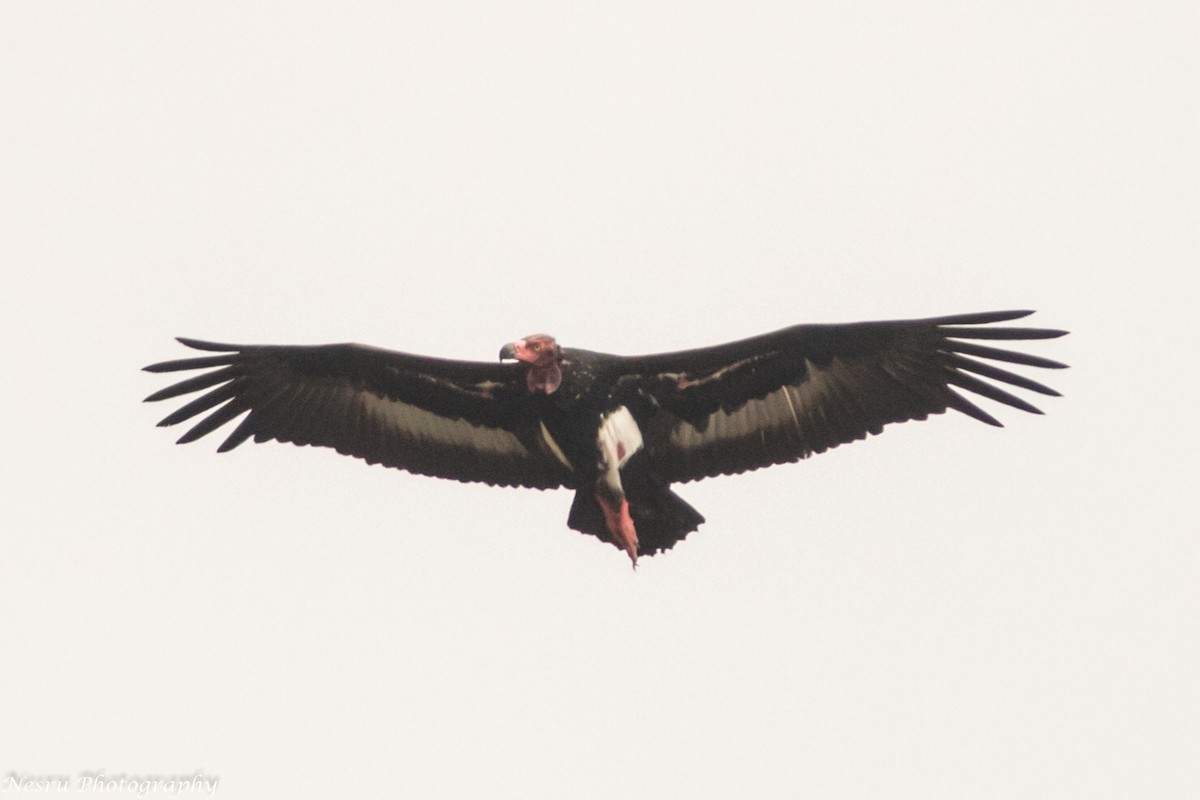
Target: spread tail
660 516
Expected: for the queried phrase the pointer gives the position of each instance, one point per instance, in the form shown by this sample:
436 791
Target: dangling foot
620 526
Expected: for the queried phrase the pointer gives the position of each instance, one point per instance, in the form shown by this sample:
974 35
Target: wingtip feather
980 317
201 344
962 404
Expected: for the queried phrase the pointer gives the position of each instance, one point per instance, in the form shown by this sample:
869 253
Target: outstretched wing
783 396
468 421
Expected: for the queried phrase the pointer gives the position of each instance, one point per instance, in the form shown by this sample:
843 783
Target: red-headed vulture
619 430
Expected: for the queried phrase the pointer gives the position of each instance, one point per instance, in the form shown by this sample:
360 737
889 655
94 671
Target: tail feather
662 520
661 517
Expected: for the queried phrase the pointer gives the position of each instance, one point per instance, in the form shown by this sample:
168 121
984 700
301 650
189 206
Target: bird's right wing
467 421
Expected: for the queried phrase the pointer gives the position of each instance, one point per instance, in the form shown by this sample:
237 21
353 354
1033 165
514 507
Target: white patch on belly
619 437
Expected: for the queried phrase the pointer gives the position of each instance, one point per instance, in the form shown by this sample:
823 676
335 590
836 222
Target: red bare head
543 355
539 350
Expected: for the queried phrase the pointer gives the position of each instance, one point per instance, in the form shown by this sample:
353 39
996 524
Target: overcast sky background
948 610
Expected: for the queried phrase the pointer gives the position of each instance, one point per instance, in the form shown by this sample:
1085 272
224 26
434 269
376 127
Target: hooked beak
509 351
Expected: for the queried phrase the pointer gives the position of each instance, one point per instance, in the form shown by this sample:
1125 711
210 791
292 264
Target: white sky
947 610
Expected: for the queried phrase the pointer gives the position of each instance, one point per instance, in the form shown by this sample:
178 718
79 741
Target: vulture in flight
619 430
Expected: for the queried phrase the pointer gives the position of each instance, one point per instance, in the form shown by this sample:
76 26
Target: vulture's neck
544 378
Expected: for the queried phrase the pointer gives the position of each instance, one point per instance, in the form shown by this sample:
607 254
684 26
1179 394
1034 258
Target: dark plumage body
619 430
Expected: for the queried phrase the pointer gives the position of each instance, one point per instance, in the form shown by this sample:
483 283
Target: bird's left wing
463 420
786 395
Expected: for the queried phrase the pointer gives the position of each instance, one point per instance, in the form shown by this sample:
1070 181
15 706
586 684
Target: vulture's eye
535 346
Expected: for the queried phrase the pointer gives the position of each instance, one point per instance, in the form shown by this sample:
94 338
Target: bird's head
543 355
538 350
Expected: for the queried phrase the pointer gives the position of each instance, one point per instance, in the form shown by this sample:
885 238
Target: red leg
620 525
